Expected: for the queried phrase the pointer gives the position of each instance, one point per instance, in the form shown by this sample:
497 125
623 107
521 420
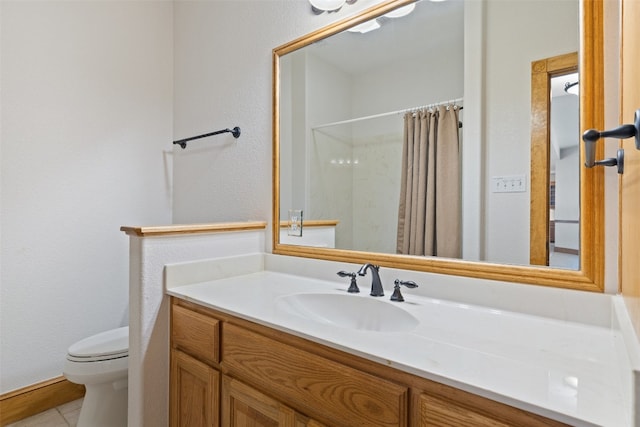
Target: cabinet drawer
195 334
436 412
459 409
242 405
323 389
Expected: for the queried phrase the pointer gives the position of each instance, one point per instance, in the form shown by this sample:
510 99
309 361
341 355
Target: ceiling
430 25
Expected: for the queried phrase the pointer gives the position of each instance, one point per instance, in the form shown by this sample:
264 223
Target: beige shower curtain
429 214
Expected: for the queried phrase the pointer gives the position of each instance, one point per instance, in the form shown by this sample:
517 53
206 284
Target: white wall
86 120
314 92
223 77
329 192
511 46
565 112
376 190
151 271
363 196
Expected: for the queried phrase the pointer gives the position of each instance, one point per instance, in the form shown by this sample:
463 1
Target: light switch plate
509 184
294 224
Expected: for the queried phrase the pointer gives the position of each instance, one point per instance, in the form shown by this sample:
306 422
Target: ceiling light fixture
319 6
365 27
401 11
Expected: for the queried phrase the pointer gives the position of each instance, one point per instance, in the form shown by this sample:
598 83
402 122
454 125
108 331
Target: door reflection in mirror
564 178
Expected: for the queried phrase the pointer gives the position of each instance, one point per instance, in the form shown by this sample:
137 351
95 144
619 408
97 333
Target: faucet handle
408 283
397 296
353 287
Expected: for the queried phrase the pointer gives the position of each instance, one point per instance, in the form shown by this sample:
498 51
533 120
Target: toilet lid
109 344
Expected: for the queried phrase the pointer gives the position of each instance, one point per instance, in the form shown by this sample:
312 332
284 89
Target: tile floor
63 416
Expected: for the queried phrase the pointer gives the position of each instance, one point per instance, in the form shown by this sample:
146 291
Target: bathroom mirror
477 70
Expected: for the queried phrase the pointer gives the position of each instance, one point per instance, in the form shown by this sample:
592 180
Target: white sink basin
348 311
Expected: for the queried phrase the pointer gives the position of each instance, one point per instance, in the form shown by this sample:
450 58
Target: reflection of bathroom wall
568 199
564 115
318 169
286 134
323 178
329 192
309 180
505 115
364 196
330 188
376 182
511 46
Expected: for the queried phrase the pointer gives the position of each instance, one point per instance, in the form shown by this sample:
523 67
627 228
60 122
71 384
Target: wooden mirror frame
590 276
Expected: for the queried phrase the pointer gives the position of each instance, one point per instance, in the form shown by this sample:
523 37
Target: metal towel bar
183 142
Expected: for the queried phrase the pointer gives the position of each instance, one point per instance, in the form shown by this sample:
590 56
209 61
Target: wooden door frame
541 73
629 182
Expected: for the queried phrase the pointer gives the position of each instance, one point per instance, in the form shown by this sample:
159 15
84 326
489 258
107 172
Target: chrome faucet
376 285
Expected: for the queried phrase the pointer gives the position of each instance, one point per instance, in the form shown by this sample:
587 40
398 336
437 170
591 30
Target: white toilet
101 363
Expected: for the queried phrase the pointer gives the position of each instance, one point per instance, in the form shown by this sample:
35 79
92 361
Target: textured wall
86 118
511 46
149 328
223 77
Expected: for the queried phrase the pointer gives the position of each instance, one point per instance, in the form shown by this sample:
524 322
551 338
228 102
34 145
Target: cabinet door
195 392
243 406
319 387
448 411
436 412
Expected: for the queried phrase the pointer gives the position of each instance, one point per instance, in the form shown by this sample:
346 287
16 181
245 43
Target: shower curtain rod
390 113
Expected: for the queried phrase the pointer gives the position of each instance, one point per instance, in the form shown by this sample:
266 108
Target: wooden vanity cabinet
243 405
196 333
243 374
194 393
319 387
441 406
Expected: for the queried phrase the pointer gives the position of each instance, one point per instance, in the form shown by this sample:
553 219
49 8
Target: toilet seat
101 364
109 345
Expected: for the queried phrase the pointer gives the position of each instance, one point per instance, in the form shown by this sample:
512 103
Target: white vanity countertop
563 370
